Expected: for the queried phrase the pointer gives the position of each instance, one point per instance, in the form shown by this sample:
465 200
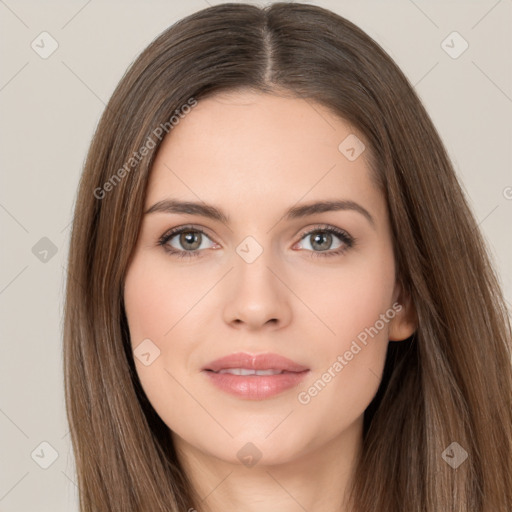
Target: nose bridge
253 257
257 295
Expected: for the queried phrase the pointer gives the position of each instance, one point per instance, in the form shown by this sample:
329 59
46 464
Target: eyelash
348 240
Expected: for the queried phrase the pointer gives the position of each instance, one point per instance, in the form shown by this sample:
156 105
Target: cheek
157 306
163 303
155 299
355 307
348 299
336 396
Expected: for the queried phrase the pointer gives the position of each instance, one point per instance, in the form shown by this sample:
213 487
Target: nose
256 294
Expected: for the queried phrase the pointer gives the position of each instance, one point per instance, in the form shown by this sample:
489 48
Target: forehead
239 148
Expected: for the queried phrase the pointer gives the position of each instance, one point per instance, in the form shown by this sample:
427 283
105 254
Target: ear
405 321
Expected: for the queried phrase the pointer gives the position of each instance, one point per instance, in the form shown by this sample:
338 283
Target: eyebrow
295 212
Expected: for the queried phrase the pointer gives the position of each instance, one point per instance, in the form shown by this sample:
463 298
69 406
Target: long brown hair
450 382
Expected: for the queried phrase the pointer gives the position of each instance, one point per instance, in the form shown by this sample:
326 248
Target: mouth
247 371
255 377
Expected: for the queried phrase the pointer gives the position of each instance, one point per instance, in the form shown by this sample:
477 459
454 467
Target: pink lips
255 387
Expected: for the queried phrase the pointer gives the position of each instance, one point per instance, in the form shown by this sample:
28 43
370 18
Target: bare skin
254 156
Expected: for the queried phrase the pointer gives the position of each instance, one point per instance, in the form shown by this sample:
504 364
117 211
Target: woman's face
255 283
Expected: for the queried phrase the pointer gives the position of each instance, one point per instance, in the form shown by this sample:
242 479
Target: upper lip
266 361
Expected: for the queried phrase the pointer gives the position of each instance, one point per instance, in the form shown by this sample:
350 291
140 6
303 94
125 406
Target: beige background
49 109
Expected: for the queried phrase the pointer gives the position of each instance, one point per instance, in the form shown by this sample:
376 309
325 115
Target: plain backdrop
50 107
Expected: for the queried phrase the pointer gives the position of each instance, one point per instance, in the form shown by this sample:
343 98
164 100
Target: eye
322 238
190 239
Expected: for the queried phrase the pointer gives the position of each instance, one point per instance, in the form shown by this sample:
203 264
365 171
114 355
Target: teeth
245 371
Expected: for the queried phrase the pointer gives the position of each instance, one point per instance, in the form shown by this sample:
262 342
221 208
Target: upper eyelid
171 233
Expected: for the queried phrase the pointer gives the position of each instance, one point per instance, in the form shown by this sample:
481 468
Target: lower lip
255 387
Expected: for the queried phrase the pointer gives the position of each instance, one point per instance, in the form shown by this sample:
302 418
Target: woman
334 338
